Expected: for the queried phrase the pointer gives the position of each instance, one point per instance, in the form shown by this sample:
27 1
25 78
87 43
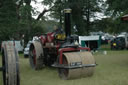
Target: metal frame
63 66
73 67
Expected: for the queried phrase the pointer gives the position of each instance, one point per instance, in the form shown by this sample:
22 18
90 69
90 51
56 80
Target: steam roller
61 50
10 64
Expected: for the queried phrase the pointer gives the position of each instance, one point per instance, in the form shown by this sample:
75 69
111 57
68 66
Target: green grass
105 47
112 69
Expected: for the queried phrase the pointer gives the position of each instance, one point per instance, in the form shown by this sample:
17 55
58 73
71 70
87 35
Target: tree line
16 18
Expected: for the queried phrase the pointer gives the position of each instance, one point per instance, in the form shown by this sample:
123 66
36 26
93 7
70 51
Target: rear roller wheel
36 55
10 65
84 58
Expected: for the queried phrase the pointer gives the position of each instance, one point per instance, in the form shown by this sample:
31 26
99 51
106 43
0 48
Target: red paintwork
50 37
57 47
43 39
69 49
125 18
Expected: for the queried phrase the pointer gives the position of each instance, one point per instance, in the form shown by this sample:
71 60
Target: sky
39 7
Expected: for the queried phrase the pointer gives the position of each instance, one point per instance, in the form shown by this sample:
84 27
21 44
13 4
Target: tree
116 9
8 20
91 8
29 26
82 12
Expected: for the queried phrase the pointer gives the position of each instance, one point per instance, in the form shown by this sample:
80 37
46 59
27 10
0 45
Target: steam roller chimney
67 13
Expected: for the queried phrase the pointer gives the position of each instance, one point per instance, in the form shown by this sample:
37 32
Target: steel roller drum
79 57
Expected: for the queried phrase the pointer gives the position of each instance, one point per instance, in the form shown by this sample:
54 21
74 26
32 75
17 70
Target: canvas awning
125 17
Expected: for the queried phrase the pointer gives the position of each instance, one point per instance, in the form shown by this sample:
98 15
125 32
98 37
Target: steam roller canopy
35 55
78 57
10 64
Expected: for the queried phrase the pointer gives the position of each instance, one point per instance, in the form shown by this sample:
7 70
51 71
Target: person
59 33
57 30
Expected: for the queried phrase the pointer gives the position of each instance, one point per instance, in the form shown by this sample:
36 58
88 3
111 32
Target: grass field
112 69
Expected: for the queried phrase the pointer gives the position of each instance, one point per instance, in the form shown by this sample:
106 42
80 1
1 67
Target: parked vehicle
120 42
26 50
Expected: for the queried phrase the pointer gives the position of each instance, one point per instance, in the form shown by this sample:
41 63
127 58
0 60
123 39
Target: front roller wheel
36 55
77 57
10 65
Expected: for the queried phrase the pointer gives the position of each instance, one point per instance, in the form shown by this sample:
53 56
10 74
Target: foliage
116 9
16 20
82 12
48 2
8 20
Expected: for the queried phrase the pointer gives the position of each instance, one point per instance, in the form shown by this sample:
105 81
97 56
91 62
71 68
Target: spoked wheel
10 64
36 55
77 57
